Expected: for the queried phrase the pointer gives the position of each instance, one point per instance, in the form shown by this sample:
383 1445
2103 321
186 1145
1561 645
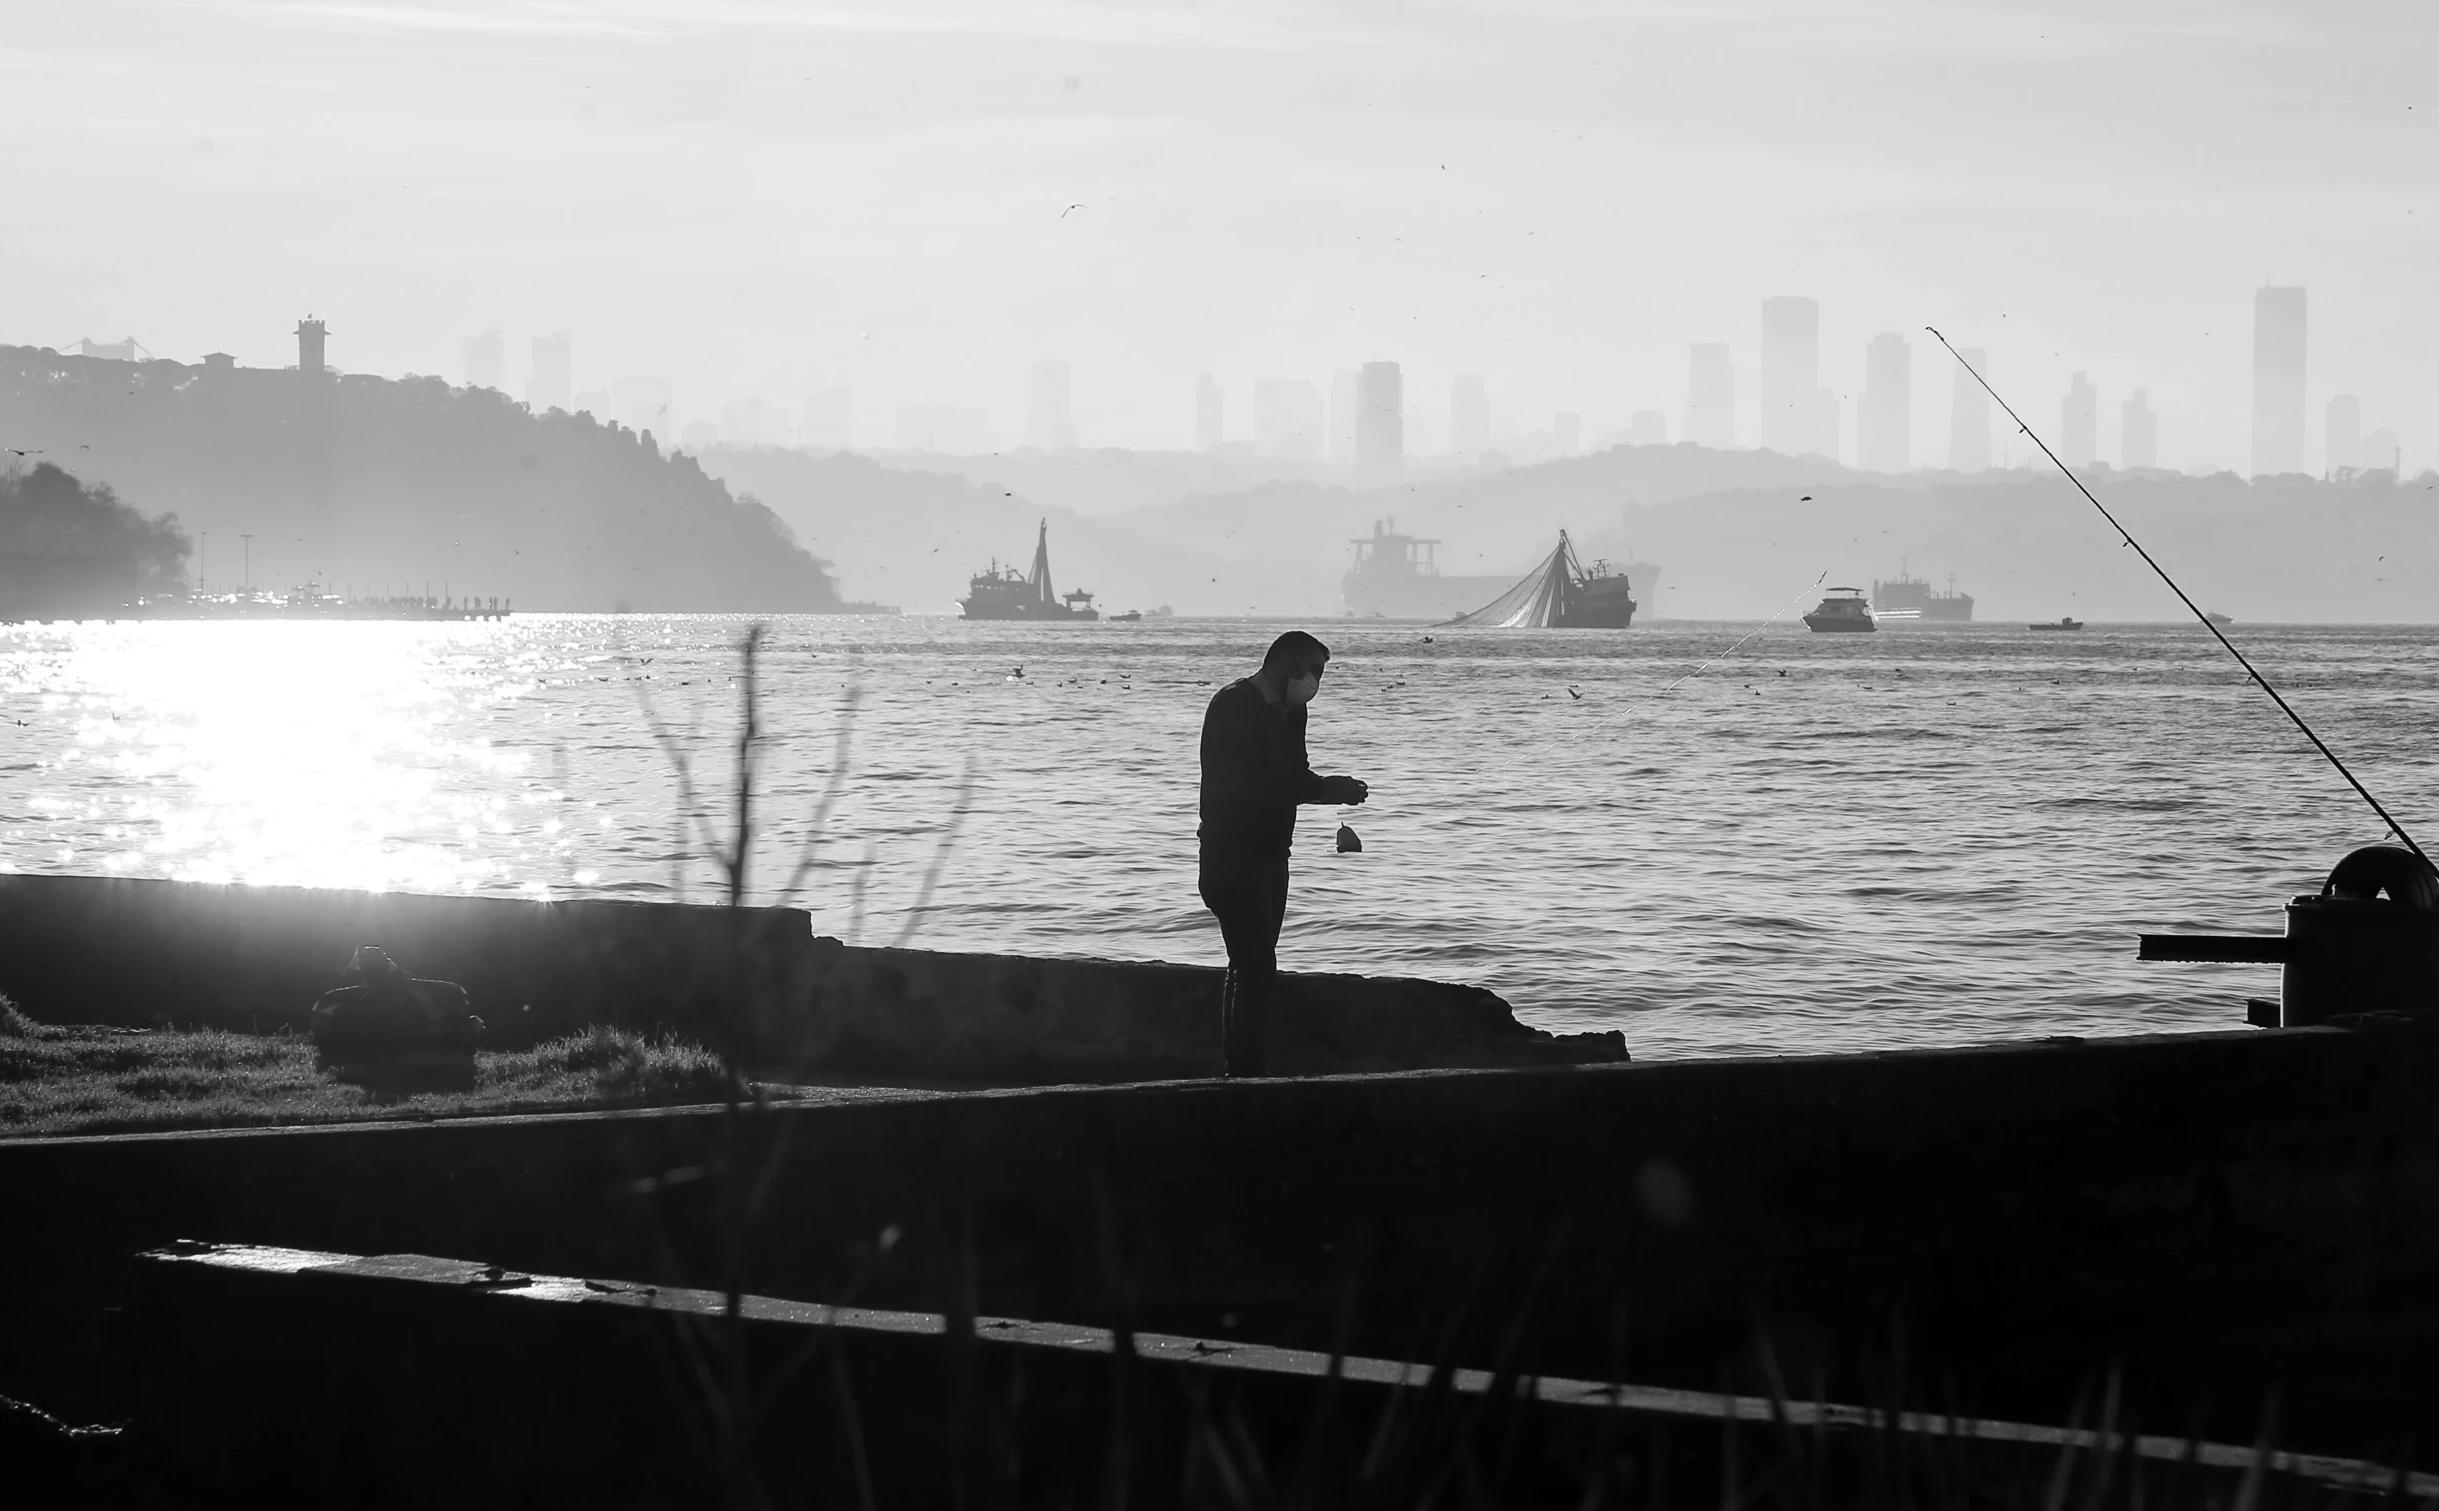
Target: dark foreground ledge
90 949
254 958
404 1380
2224 1215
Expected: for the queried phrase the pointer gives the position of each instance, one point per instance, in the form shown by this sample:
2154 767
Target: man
1255 772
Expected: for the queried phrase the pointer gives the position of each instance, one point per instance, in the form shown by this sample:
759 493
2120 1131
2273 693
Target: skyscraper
826 416
1380 419
486 359
741 423
2079 424
1566 433
1791 395
1969 416
1647 427
551 382
1345 401
1287 418
1469 416
2138 432
1884 440
1710 397
2278 380
2381 452
1048 424
2345 437
646 404
1208 417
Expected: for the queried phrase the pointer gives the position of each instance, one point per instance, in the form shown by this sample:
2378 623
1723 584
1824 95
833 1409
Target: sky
917 199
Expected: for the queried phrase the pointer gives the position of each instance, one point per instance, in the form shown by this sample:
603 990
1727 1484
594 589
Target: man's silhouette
1255 772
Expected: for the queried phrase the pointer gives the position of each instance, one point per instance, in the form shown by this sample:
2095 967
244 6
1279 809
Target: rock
383 1009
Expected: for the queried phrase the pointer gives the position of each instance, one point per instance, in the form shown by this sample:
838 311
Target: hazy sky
770 198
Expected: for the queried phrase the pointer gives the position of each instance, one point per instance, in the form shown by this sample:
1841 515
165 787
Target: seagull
1063 213
1572 693
1806 499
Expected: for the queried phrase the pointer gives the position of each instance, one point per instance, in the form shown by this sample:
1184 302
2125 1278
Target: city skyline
1289 419
1173 190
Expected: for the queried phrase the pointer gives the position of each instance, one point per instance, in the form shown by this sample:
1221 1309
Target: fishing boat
2221 620
1005 593
1849 614
2064 622
1560 594
1131 616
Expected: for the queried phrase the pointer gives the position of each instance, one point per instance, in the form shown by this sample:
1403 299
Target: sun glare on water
307 754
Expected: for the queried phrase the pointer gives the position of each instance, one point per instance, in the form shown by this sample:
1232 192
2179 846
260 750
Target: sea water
1722 839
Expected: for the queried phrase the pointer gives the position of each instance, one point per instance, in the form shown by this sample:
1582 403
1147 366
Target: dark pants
1249 898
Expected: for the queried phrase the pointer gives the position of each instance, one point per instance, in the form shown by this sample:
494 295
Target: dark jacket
1254 775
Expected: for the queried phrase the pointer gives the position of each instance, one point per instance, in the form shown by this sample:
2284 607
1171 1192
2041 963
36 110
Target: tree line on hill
407 486
68 548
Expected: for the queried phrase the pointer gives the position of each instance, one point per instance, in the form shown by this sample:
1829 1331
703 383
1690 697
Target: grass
61 1080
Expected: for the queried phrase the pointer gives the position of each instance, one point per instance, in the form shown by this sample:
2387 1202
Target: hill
913 538
1293 537
2282 549
373 481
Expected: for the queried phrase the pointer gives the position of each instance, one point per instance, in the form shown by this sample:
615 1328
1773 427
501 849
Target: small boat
2221 620
2065 622
1131 616
1841 615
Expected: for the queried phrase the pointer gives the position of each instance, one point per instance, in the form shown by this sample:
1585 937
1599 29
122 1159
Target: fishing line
2318 743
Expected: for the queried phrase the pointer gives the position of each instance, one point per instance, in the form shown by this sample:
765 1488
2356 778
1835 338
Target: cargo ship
1911 598
1394 577
1005 593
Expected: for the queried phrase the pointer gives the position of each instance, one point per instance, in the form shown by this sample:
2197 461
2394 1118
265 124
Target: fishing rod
2207 623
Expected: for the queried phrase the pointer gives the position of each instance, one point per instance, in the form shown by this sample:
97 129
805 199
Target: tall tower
309 336
1884 441
2345 440
1380 419
2278 380
1344 402
551 384
486 358
1208 416
2138 432
1287 418
1969 416
1710 397
1469 416
2079 423
1791 375
1048 423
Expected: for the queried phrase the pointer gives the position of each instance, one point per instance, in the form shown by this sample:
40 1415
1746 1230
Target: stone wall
2220 1214
86 949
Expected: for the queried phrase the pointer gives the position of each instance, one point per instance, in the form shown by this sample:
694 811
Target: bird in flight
1063 213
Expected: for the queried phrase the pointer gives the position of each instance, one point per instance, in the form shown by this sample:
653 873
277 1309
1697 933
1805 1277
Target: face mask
1303 690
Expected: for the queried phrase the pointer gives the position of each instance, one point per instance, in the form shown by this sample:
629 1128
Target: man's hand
1343 789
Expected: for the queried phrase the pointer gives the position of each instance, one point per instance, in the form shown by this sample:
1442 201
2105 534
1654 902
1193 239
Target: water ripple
1937 836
